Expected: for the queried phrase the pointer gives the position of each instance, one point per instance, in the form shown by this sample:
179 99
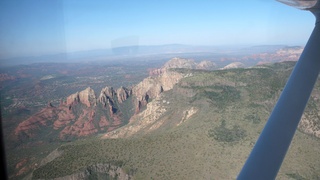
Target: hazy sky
37 27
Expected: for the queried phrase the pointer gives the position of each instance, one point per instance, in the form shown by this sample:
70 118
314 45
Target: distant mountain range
122 53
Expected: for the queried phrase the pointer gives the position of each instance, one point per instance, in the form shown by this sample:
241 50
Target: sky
40 27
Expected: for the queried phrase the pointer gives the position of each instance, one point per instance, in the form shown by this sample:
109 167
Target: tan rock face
151 119
141 121
151 87
123 94
107 98
106 93
165 81
206 65
73 98
187 114
234 65
180 63
86 97
169 79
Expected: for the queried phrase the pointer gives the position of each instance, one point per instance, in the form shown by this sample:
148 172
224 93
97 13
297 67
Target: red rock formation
76 117
65 116
116 123
82 127
21 163
34 123
22 170
103 123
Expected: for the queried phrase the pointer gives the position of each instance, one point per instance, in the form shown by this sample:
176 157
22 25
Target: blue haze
40 27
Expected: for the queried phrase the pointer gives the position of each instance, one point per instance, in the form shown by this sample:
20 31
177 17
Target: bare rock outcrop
107 98
206 65
86 97
187 114
106 93
123 94
151 87
142 121
180 63
169 79
233 65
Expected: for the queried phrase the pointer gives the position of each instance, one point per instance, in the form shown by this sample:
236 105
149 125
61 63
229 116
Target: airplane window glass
149 89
